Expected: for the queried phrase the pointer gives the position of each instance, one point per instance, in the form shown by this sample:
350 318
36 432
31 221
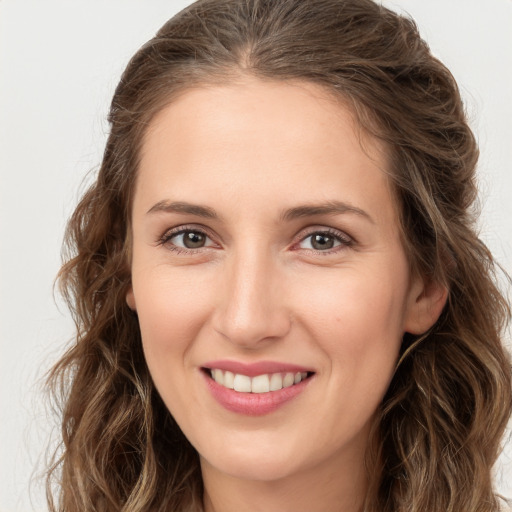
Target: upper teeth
259 384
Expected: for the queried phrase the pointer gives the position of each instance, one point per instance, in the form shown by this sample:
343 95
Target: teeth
229 379
276 382
259 384
241 383
288 380
218 376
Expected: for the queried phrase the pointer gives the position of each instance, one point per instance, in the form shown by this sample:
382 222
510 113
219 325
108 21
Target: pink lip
253 369
253 404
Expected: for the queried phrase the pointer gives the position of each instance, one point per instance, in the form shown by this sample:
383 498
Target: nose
252 307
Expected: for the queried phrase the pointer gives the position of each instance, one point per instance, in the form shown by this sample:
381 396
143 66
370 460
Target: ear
130 299
427 299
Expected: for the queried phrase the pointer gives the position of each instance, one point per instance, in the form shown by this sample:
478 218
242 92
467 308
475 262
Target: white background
59 64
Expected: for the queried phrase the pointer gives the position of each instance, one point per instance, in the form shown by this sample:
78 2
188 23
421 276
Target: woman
281 300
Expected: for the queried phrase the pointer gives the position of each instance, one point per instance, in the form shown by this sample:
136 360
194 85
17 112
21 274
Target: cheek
358 324
354 306
171 312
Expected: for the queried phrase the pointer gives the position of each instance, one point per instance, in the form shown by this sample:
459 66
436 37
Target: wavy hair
437 432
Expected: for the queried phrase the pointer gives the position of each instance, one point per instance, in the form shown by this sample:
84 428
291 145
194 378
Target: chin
260 469
254 462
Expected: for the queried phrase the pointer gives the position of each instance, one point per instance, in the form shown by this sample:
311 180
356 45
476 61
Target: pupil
322 241
193 240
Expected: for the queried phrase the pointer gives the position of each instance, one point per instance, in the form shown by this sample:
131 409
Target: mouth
258 384
257 388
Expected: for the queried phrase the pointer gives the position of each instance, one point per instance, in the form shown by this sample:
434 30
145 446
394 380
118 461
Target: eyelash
165 239
344 240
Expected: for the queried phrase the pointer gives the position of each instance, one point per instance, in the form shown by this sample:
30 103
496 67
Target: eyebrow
328 208
297 212
182 207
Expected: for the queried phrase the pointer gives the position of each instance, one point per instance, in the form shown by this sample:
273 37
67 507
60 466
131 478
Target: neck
324 488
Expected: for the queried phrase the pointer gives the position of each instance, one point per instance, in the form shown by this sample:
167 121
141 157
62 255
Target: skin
260 290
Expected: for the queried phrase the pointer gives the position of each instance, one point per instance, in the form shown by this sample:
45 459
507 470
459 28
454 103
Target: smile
264 383
255 389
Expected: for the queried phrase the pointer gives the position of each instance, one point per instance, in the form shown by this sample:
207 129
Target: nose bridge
252 307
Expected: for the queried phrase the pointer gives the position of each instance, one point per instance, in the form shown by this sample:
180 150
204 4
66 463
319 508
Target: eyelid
183 228
344 239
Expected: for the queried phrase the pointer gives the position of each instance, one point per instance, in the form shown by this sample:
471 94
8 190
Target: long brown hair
437 433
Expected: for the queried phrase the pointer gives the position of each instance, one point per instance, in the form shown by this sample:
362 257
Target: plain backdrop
59 64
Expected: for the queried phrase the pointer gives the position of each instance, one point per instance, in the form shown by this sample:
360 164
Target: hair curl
438 430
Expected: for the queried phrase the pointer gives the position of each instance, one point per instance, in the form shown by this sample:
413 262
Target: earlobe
427 301
130 299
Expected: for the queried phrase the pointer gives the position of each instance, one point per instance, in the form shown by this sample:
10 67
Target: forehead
258 138
248 98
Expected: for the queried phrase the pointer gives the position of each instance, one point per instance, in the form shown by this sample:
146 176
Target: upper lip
257 368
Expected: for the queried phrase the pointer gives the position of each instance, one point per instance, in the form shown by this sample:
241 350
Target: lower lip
253 404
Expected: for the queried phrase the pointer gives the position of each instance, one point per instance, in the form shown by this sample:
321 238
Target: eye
186 239
324 241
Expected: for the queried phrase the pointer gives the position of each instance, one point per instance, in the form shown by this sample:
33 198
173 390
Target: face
268 275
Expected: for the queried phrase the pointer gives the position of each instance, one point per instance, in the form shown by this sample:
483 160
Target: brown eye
193 239
323 241
189 239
